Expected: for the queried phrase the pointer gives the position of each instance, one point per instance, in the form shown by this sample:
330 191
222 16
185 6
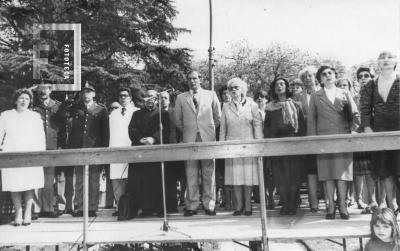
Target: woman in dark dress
284 118
380 111
144 179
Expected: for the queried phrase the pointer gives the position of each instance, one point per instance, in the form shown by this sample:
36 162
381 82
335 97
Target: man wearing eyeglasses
119 136
197 114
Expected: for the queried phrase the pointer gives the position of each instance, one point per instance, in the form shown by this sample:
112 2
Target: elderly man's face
164 99
124 98
194 81
309 81
150 99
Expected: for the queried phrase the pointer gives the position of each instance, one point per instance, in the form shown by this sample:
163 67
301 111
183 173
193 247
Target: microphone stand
165 226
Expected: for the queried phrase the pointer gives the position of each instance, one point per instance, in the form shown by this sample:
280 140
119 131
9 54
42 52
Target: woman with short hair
333 111
22 130
240 120
380 111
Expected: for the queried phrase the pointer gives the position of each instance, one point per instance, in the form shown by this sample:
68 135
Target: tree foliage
124 42
259 67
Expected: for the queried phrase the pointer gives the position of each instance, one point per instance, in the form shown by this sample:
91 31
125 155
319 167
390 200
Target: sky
352 31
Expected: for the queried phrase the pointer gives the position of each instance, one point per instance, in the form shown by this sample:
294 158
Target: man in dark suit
90 128
48 108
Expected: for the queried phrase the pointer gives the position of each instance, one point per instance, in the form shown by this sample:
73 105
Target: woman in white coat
240 120
22 130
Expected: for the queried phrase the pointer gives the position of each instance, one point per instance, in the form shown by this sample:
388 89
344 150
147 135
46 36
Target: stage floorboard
199 228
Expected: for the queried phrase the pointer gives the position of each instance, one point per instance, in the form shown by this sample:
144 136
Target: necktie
195 100
123 110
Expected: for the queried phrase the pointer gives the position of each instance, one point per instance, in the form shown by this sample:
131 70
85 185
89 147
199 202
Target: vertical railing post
263 204
85 205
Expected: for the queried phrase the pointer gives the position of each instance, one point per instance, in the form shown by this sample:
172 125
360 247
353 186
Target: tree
123 42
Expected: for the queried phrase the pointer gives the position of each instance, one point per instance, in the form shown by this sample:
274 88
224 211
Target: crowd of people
316 103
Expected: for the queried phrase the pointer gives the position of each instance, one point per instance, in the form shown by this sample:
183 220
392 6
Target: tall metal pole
85 205
210 52
263 204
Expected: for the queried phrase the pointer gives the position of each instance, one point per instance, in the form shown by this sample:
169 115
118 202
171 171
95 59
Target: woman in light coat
240 120
22 130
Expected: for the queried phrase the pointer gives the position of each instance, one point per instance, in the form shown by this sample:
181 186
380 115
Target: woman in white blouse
22 130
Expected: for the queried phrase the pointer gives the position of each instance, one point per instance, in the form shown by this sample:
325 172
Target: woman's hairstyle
389 53
308 69
18 93
362 69
260 93
385 216
349 84
321 69
272 88
240 82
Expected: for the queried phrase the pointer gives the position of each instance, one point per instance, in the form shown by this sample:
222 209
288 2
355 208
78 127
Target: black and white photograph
199 125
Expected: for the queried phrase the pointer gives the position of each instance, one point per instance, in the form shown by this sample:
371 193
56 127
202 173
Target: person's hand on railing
147 141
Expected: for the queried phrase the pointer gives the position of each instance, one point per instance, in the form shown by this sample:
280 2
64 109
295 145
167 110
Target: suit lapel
324 99
233 108
189 100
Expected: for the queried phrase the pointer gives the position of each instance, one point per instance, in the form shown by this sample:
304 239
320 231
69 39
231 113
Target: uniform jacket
380 115
89 127
190 121
324 118
52 122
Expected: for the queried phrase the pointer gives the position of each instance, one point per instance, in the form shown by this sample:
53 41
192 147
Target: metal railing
204 150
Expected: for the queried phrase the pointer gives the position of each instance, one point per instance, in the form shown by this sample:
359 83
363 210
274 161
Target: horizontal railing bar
206 150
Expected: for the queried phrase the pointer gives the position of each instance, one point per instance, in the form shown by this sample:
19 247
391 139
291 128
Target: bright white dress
22 132
119 137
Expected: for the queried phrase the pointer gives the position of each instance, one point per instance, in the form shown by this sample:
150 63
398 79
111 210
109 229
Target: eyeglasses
123 95
235 87
326 73
366 75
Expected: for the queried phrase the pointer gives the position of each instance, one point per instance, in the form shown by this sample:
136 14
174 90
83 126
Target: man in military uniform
90 128
48 108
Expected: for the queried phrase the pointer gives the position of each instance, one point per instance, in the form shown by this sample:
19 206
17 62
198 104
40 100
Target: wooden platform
199 228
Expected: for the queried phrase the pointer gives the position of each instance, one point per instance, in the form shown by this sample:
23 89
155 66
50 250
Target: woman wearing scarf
333 111
284 118
240 120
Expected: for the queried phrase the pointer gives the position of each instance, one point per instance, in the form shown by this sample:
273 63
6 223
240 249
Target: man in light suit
197 114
